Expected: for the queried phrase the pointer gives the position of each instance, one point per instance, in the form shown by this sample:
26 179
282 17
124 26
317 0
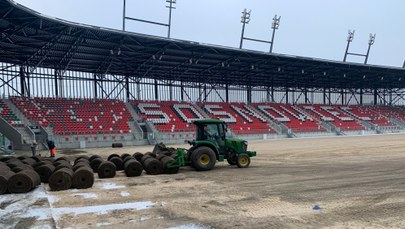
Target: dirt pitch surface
339 182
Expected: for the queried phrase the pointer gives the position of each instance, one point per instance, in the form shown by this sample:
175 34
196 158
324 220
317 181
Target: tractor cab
210 130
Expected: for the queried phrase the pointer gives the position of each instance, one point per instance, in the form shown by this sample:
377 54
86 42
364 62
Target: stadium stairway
135 127
21 135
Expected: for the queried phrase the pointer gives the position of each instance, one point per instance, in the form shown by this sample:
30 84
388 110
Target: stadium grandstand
85 86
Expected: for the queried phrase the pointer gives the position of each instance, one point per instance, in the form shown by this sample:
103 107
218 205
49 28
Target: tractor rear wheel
203 158
243 161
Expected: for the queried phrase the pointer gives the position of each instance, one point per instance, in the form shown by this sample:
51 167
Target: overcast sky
310 28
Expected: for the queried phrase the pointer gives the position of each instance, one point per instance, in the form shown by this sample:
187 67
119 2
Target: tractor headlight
245 145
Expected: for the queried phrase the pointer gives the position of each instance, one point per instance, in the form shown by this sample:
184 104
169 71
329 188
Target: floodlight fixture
350 35
276 22
245 19
371 40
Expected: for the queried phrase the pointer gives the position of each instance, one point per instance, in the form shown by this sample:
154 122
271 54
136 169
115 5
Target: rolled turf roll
23 182
117 162
80 165
62 167
21 168
61 179
29 161
62 159
4 177
39 163
83 178
81 160
5 159
138 156
64 163
36 158
4 167
113 155
95 163
94 157
127 158
45 171
51 159
165 161
117 145
106 169
81 157
152 166
133 168
146 156
124 155
22 157
160 156
151 154
14 163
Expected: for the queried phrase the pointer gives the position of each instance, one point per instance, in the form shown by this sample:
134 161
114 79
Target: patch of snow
102 224
40 192
143 218
86 195
125 193
53 199
101 209
42 227
107 186
190 226
19 202
39 213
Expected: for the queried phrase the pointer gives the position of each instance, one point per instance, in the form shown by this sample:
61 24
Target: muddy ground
339 182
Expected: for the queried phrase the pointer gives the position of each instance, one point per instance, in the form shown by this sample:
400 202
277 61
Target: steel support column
226 92
181 91
249 94
156 90
342 94
22 81
128 94
375 96
56 76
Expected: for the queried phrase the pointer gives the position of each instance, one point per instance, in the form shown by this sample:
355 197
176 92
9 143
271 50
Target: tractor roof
205 121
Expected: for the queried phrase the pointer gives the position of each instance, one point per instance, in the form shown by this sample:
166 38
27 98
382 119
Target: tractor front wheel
203 158
243 161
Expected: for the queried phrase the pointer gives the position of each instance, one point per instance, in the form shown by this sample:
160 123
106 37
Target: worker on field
206 133
51 147
34 148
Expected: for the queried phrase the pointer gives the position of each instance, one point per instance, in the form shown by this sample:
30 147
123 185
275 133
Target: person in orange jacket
52 147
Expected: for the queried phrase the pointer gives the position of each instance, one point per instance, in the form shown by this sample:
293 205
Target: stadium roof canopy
31 39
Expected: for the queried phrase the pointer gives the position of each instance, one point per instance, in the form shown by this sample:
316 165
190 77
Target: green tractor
211 145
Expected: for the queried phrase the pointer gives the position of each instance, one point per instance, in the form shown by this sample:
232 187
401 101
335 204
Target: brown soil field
356 182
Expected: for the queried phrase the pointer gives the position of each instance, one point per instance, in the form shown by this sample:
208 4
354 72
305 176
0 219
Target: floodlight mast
350 39
168 25
171 7
245 19
274 26
371 41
